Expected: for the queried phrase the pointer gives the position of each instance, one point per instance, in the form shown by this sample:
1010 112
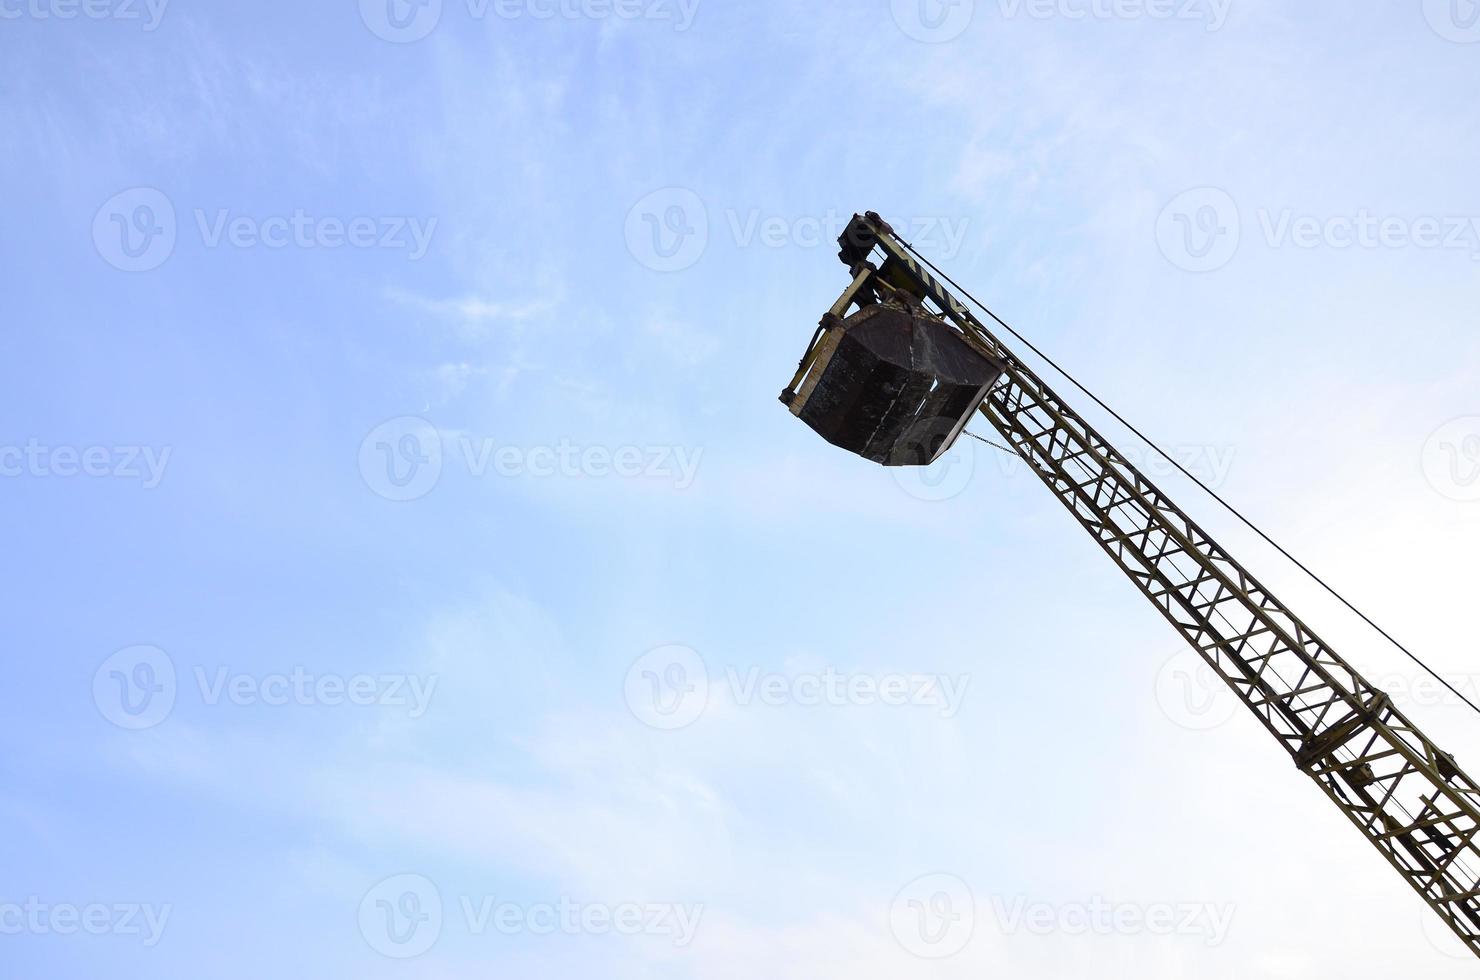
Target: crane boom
1407 797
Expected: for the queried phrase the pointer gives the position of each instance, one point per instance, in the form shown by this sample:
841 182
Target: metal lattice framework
1408 798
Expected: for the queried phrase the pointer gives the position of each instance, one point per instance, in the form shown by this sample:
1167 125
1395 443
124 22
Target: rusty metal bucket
892 383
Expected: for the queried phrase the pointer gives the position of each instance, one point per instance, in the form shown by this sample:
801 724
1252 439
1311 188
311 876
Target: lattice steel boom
1408 798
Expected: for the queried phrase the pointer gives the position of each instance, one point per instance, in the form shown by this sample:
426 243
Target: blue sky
389 404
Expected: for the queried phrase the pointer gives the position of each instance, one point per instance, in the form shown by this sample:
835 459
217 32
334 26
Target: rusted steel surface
893 384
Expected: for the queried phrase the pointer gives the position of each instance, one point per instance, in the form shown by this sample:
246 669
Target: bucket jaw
892 382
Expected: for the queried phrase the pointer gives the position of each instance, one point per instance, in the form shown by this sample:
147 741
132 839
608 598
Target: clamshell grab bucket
891 383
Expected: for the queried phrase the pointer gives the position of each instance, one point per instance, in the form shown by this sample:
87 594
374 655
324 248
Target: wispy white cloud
472 317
